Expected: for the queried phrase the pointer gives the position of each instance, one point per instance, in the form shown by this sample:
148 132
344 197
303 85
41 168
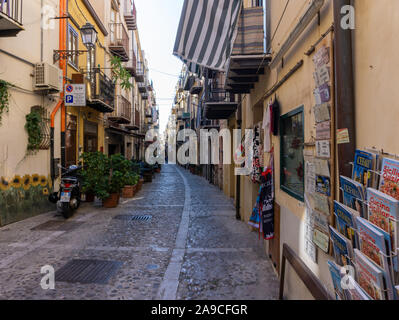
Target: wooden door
70 140
90 137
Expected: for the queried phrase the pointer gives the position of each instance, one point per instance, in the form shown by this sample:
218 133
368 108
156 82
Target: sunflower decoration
4 184
43 181
16 182
35 180
46 192
26 182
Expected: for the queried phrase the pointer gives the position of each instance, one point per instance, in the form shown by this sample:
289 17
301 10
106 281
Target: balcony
218 104
100 91
123 111
119 41
197 87
145 95
142 87
10 18
148 114
150 86
135 123
139 72
248 58
130 15
131 65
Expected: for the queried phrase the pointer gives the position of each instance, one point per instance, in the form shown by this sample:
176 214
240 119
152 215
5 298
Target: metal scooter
68 198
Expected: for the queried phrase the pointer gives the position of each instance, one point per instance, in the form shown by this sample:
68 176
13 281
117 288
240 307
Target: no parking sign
75 95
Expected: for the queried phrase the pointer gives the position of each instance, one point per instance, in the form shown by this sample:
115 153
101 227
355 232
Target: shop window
291 157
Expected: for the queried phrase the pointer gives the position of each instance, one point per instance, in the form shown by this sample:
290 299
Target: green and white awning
207 31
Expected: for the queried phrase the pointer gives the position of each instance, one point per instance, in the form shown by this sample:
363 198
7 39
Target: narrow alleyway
187 245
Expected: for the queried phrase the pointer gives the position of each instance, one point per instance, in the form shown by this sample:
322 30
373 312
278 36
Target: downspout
344 92
238 177
60 104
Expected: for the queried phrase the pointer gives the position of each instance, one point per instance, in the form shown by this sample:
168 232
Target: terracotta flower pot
90 197
141 181
128 192
112 201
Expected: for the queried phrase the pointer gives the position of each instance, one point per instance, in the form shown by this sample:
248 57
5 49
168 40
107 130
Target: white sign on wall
75 95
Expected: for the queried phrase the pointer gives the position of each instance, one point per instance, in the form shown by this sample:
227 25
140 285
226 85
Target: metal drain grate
141 218
133 217
88 271
57 225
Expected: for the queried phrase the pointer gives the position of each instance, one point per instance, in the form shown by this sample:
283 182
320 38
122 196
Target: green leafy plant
104 175
33 127
132 179
120 73
4 97
95 173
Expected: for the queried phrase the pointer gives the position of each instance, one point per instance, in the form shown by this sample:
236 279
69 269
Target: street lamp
89 35
89 38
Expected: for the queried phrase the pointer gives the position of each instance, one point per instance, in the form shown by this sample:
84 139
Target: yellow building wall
376 77
86 113
295 92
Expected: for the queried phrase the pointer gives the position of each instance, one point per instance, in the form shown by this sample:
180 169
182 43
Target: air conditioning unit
47 78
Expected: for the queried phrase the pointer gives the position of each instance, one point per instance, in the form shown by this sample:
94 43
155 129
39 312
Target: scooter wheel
67 212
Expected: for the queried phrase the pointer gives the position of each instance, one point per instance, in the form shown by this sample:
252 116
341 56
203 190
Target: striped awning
207 31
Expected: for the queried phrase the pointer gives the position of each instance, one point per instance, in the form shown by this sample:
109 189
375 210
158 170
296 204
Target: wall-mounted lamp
89 37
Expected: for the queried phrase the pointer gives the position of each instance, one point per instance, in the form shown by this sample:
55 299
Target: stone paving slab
192 242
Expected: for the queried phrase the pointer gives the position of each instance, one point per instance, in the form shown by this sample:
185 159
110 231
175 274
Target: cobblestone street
188 245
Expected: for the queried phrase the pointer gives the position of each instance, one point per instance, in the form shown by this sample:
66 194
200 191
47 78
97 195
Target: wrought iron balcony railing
130 15
140 73
12 9
131 65
101 91
119 41
122 112
10 17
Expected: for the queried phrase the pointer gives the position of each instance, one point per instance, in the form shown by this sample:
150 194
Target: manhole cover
133 217
57 225
88 271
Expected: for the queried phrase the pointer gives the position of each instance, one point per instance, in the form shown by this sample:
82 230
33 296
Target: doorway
90 137
70 140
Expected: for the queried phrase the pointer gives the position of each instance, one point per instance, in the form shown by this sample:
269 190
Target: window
73 45
91 64
257 3
291 157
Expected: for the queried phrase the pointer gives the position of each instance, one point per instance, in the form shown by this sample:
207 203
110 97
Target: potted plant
129 190
118 170
94 169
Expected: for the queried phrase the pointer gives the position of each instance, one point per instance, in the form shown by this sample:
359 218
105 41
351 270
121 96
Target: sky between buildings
157 22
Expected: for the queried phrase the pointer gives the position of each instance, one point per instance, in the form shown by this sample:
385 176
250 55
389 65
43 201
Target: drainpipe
238 177
344 89
41 32
60 104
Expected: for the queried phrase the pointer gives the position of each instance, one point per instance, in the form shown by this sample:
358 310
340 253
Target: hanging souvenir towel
254 220
267 202
256 166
